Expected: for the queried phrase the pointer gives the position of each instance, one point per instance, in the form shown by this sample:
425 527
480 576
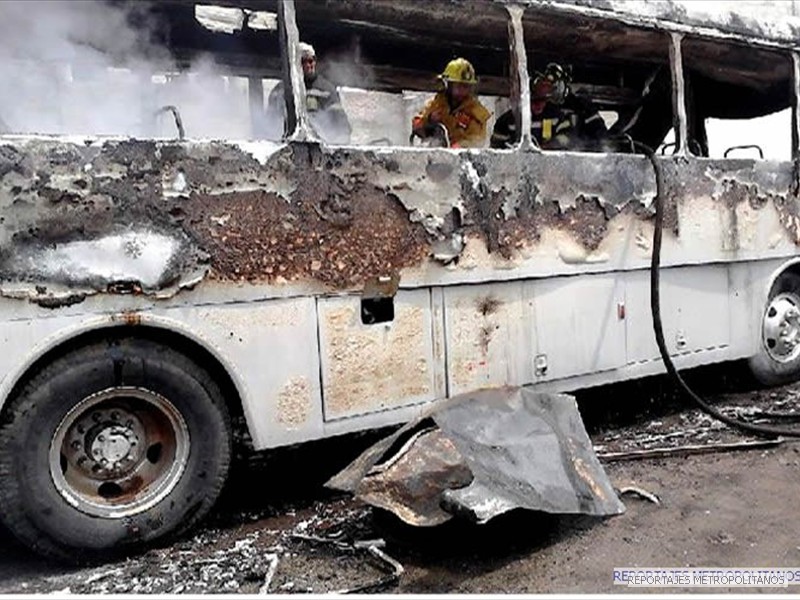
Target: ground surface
736 509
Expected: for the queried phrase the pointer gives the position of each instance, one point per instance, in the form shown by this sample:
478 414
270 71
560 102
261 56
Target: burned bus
156 286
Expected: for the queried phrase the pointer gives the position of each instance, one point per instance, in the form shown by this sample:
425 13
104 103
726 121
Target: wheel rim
781 328
119 452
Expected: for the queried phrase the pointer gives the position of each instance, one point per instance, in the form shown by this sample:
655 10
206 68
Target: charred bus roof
738 66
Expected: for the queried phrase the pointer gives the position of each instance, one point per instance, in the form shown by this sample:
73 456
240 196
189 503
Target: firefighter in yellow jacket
455 107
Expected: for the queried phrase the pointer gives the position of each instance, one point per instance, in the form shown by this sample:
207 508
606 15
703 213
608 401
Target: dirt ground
277 530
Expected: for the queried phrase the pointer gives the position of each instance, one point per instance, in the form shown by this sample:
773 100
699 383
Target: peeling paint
142 257
294 402
112 216
373 367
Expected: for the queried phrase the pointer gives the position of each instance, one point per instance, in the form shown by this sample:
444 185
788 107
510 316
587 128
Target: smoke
374 116
345 67
80 67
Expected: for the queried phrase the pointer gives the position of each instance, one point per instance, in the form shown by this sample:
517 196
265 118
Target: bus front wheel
778 359
111 447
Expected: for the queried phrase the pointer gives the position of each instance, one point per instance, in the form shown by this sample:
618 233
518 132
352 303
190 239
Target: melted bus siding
331 289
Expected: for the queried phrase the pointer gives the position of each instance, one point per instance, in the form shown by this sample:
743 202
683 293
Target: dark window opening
377 310
737 100
596 85
405 73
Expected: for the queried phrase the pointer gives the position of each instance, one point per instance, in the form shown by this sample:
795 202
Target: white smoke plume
79 67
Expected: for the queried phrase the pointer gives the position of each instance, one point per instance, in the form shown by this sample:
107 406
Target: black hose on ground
655 308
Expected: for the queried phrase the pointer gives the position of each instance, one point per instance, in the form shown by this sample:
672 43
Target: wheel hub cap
118 452
781 328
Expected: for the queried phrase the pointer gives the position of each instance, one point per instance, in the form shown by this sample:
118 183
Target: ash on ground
277 530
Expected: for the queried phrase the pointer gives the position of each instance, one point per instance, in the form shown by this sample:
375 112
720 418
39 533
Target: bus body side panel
580 325
570 329
270 349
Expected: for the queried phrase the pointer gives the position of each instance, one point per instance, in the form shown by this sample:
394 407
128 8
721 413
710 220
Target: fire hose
658 329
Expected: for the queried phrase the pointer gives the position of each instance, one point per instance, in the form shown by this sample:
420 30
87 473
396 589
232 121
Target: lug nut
101 438
76 445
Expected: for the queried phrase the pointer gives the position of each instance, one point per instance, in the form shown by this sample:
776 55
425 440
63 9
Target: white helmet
307 50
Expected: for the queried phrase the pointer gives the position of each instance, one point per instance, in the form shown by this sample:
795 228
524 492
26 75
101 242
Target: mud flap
482 454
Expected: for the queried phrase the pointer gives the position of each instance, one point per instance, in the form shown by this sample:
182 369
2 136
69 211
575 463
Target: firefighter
323 103
559 121
456 108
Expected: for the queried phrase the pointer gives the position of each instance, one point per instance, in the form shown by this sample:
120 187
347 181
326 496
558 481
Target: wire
658 329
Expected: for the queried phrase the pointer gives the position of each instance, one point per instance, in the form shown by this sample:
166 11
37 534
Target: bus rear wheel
778 359
110 448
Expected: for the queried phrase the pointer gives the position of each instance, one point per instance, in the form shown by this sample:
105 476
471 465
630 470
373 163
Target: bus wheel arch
50 411
154 331
777 361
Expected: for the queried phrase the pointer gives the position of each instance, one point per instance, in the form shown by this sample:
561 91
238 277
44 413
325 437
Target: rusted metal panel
367 368
269 346
334 219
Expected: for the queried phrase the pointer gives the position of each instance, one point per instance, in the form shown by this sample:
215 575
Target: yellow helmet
459 70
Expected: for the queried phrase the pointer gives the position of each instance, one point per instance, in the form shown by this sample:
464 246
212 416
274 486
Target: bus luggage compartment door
522 332
695 312
376 356
579 325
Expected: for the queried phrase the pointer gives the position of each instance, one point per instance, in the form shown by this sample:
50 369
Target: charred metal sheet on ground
490 452
417 500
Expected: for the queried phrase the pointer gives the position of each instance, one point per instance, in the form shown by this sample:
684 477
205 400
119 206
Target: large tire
778 359
155 417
